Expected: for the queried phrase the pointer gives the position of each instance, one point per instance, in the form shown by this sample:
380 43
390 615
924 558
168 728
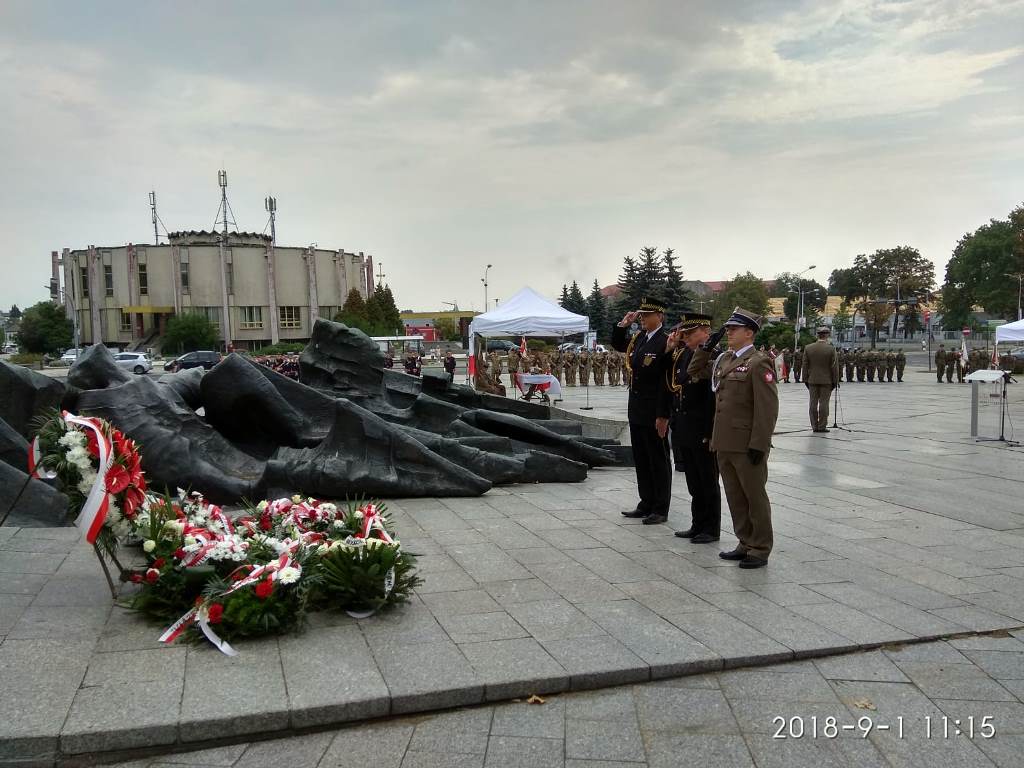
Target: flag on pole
522 346
964 356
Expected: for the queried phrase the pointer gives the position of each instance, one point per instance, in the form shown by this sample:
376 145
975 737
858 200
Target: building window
143 280
210 313
326 313
84 276
108 279
251 317
290 317
184 277
126 321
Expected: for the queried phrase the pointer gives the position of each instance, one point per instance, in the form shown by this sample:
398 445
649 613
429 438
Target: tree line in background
985 270
375 316
649 276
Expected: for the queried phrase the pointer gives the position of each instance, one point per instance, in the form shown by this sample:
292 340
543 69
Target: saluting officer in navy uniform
693 419
648 411
746 409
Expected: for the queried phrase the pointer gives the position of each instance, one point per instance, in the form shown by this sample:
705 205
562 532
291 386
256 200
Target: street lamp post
1020 291
484 281
799 307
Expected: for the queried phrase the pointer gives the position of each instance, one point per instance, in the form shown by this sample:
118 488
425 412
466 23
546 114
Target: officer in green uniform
869 362
890 364
940 362
862 364
848 361
901 363
798 364
950 366
747 407
821 376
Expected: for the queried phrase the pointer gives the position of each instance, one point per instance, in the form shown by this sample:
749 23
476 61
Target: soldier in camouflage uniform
869 364
901 363
556 365
940 362
624 367
890 364
880 365
599 361
583 362
495 358
849 359
513 362
798 364
613 368
950 366
861 364
569 367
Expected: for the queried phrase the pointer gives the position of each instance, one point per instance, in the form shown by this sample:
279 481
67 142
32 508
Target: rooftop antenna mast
222 180
156 219
380 273
270 204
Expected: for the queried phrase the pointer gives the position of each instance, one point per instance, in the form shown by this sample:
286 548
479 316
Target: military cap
824 329
650 305
690 320
746 319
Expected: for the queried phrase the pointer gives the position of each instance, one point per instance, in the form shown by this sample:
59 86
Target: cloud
552 139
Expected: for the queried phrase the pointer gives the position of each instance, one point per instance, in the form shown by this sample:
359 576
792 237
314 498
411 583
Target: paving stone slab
429 675
510 668
354 689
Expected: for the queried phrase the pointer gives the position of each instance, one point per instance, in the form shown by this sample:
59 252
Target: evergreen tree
565 297
353 313
375 325
597 311
577 303
677 298
392 317
651 274
15 313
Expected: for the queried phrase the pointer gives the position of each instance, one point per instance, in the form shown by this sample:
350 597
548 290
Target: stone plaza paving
899 530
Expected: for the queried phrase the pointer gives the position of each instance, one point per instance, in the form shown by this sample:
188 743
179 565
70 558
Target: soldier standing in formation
950 366
688 378
495 358
569 366
613 368
940 362
556 365
513 363
901 364
848 360
747 407
599 361
648 410
584 365
798 363
787 364
869 364
821 376
890 364
624 363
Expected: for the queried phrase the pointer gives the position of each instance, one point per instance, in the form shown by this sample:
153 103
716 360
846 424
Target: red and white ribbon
35 458
94 512
200 616
372 522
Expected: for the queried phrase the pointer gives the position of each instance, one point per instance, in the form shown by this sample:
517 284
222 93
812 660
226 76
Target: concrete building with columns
255 292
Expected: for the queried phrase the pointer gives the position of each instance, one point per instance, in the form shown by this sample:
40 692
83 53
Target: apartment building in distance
255 292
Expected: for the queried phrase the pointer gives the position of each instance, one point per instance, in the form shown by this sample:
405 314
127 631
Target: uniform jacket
746 404
821 365
693 402
648 397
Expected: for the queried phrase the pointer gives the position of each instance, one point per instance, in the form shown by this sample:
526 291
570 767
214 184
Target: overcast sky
549 139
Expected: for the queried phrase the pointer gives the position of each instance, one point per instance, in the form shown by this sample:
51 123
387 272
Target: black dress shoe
635 513
655 519
734 554
687 534
825 429
753 562
704 538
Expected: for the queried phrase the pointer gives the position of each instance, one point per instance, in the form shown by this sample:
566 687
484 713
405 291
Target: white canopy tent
1010 332
527 314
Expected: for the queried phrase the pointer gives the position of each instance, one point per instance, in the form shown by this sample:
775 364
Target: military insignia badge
649 358
769 377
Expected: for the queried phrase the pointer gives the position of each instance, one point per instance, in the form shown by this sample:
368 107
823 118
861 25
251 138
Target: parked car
136 362
500 345
1017 353
204 359
69 357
